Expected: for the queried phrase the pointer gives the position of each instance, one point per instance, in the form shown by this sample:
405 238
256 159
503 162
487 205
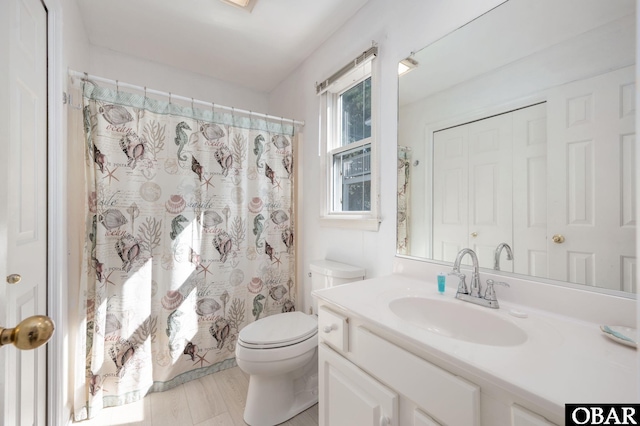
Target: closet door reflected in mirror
472 188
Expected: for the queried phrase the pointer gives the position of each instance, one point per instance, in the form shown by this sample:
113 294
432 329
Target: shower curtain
189 237
404 202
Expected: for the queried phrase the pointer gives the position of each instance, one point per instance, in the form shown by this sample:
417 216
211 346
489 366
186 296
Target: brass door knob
474 234
13 278
29 334
558 239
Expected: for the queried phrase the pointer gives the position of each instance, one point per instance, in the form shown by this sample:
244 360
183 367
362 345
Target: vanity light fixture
242 4
406 65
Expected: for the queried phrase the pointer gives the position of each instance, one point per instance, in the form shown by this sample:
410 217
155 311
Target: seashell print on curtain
189 239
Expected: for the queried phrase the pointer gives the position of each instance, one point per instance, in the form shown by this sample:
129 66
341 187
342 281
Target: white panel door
23 230
472 194
348 396
491 187
530 191
450 192
593 208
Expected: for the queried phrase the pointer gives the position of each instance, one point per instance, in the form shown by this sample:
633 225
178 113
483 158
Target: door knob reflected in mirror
13 278
31 333
558 239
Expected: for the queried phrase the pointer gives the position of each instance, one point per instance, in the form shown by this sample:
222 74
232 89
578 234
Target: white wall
75 40
74 53
119 66
399 27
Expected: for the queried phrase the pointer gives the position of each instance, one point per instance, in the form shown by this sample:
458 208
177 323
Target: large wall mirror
516 135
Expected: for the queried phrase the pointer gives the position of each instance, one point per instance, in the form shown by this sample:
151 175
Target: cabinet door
421 419
349 396
523 417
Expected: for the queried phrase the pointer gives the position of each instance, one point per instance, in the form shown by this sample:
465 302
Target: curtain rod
368 54
85 76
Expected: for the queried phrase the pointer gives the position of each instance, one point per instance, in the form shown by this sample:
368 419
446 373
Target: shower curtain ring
192 108
145 92
117 87
169 98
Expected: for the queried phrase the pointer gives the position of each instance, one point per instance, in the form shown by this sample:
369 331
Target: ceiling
256 50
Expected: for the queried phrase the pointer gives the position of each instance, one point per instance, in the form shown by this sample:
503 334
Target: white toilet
279 352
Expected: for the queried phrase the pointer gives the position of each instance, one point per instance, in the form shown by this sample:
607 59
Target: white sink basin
459 321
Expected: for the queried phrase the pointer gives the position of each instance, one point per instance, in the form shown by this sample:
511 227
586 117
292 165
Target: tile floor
214 400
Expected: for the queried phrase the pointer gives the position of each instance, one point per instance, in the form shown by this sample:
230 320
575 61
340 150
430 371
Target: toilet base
272 400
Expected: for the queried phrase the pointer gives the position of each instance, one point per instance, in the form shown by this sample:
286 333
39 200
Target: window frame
330 139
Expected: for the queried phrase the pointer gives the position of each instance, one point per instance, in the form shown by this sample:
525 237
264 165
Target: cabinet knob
474 234
327 328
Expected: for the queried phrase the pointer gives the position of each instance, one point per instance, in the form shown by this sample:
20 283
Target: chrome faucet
496 255
473 294
475 277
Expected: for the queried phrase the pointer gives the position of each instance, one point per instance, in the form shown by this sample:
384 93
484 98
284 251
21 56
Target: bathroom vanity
393 351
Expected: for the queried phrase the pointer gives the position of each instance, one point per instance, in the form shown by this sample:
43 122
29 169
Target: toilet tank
327 273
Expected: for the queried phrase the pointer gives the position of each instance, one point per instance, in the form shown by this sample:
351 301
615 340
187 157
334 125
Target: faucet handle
462 285
490 293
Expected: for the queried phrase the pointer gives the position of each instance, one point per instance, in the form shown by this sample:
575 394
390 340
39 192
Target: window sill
364 223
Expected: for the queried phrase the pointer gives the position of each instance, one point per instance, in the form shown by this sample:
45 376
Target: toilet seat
277 331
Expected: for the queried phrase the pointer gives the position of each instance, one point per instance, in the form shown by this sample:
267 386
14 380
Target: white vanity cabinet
366 379
522 417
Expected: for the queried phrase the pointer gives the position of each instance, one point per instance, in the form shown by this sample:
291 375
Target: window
352 180
348 150
352 158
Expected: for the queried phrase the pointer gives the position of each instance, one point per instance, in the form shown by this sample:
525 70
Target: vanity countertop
563 360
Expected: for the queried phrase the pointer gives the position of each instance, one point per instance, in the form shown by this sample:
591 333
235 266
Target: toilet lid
279 330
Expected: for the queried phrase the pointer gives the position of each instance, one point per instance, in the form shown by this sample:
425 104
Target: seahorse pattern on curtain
189 239
404 202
